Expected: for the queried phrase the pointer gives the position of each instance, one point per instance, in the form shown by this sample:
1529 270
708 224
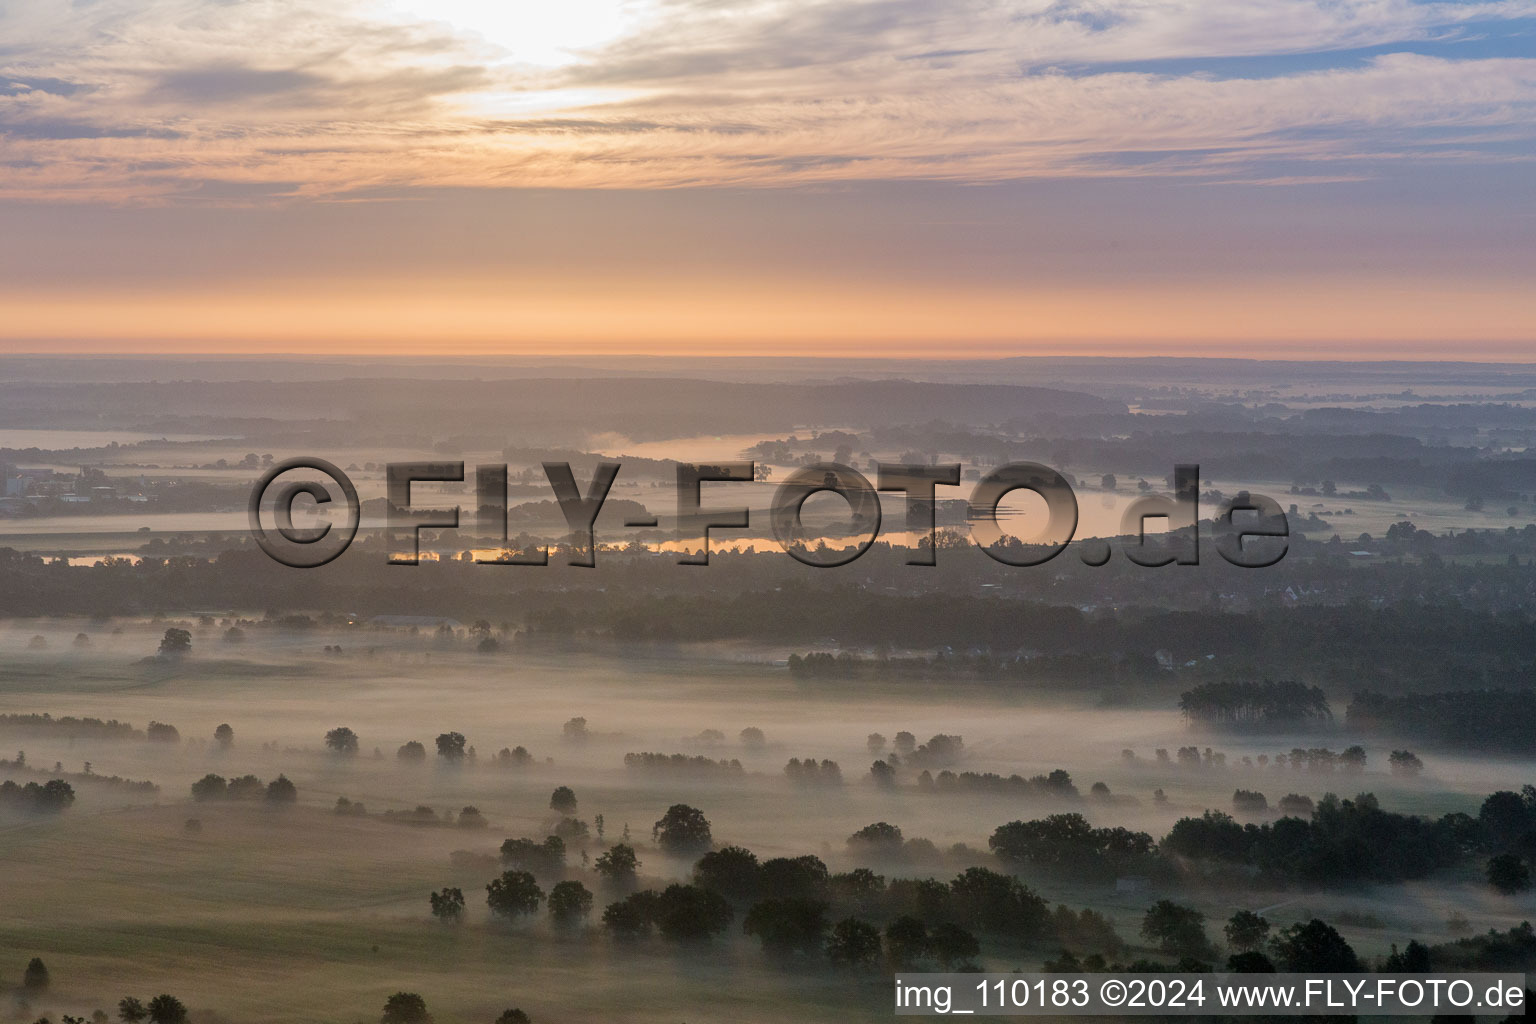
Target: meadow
297 913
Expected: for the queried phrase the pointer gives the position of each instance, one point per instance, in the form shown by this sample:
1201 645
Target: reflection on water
22 438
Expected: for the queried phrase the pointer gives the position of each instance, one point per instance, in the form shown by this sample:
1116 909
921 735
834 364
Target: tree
853 943
905 743
175 643
1508 874
224 736
34 981
1251 962
282 791
450 746
210 787
786 927
804 877
447 905
411 751
1314 948
1405 764
732 871
752 738
632 916
1504 818
683 830
860 887
906 941
130 1010
167 1009
160 732
569 901
342 740
687 913
875 743
1246 931
993 902
513 894
1414 959
405 1008
618 864
512 1016
1177 930
246 787
880 838
952 945
1068 843
546 858
563 799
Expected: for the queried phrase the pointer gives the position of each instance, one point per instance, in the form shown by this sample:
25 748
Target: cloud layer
173 100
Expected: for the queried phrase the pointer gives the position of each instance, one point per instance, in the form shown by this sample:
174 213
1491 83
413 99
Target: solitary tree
450 746
130 1010
175 643
281 791
512 1016
563 799
683 830
513 894
35 980
405 1008
411 752
569 902
447 905
342 740
879 838
224 736
167 1009
1405 764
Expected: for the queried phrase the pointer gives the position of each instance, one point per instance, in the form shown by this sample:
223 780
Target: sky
1270 178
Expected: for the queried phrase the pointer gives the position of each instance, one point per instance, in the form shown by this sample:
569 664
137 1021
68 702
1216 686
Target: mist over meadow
750 790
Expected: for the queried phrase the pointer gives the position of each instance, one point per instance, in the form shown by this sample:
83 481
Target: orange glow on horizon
1271 318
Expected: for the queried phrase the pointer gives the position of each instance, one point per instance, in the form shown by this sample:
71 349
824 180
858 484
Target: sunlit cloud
174 100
